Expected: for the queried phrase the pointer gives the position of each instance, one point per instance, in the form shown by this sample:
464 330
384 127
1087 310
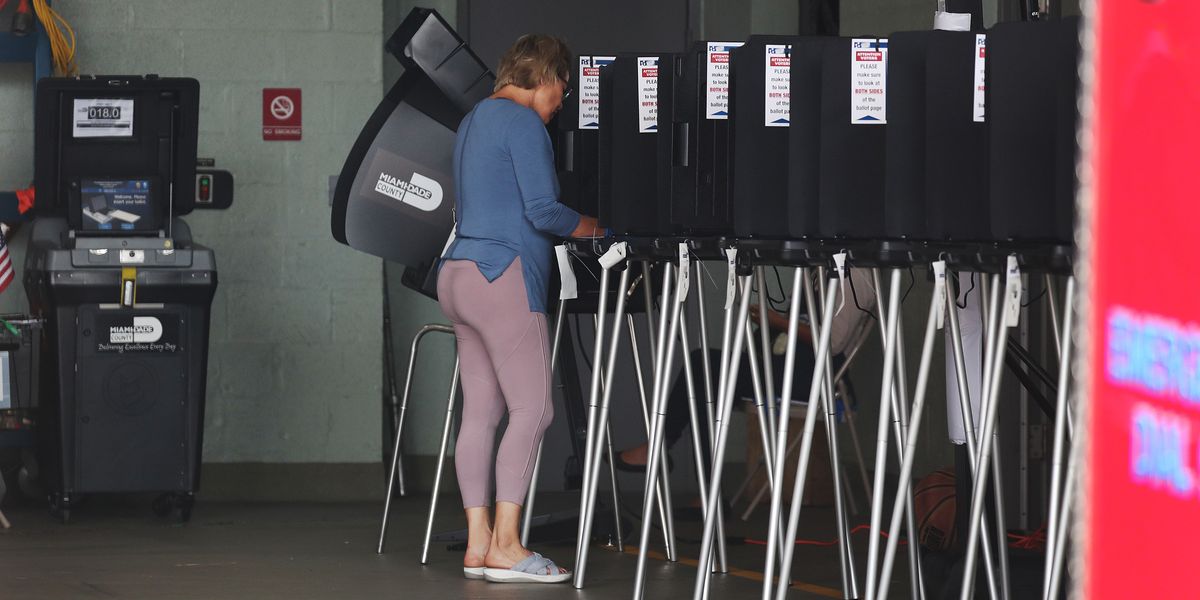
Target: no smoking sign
281 114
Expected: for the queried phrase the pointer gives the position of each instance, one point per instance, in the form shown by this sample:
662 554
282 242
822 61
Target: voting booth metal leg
709 408
1001 519
588 496
599 427
846 555
761 407
608 453
662 376
862 468
964 401
702 321
736 333
766 422
641 382
657 341
655 460
906 466
651 325
839 382
768 377
987 437
780 448
1055 527
733 286
851 503
890 342
990 355
1052 298
437 478
526 521
389 359
1058 552
900 431
898 407
763 412
652 337
616 489
697 431
396 444
810 425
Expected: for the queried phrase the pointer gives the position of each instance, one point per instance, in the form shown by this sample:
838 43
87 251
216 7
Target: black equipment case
1032 84
937 167
124 291
410 139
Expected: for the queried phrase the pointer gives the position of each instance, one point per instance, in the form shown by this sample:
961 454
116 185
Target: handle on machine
128 286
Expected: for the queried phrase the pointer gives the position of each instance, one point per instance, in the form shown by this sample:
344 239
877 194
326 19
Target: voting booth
628 184
395 195
694 143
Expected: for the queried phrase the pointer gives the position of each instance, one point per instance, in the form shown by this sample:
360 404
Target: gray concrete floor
118 549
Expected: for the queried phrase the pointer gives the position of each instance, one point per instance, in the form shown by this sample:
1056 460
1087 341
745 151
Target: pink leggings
505 364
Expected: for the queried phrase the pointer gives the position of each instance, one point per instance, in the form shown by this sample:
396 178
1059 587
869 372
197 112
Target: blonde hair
534 59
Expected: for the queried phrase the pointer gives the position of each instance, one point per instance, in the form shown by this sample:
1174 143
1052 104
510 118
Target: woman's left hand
589 227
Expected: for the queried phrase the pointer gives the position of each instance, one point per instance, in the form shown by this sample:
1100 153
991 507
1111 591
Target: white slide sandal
535 568
473 572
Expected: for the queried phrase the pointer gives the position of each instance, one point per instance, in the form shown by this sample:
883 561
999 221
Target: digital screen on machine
117 205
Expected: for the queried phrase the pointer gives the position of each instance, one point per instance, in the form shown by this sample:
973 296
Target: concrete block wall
295 365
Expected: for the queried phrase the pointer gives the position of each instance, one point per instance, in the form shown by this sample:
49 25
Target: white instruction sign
980 79
102 117
731 279
717 78
868 81
648 94
1012 292
685 273
589 90
778 85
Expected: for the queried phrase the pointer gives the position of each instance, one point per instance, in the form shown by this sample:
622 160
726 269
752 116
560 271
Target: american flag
6 268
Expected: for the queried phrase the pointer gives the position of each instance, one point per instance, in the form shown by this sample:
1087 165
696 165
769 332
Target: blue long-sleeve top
507 204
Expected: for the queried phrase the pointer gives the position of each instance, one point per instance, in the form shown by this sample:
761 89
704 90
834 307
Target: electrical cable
1033 541
585 266
912 282
1034 299
61 46
780 306
855 295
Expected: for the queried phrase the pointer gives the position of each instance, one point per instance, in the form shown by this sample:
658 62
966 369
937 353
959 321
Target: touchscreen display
117 205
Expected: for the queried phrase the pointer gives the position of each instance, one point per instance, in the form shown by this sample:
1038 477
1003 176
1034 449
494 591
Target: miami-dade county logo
144 330
419 191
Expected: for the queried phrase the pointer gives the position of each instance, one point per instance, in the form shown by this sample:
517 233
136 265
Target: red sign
281 114
1142 493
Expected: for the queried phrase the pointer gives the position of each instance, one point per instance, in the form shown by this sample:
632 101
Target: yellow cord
61 46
